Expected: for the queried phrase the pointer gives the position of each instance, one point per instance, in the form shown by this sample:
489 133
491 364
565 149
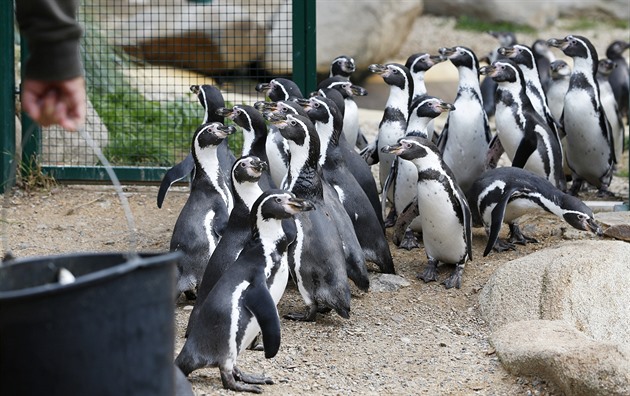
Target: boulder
585 284
616 9
556 351
616 224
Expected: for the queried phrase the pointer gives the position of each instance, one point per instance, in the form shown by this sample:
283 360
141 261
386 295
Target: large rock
585 283
556 351
537 14
617 9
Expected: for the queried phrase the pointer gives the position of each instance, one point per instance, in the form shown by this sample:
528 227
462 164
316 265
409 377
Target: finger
48 106
30 105
63 118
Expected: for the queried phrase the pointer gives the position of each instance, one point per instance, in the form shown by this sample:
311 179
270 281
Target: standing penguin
317 259
204 216
277 148
324 113
605 69
246 176
424 110
418 64
502 195
620 78
466 135
488 86
560 73
444 212
351 110
590 152
544 57
244 301
393 124
211 99
254 135
526 137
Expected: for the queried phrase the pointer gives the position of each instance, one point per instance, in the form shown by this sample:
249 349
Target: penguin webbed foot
603 192
502 245
409 241
455 280
430 271
251 378
307 316
230 380
390 220
516 236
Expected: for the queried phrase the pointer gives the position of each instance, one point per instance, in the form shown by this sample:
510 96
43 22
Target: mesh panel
142 56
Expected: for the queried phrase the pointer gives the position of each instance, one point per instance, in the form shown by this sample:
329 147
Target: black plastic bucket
111 332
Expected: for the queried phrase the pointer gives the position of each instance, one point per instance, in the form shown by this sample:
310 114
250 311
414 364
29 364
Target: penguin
560 72
502 195
424 109
393 124
527 138
444 211
418 64
488 86
254 135
211 99
359 169
465 137
277 148
590 152
619 78
524 57
342 66
204 217
244 300
543 57
246 188
324 113
605 69
317 260
348 90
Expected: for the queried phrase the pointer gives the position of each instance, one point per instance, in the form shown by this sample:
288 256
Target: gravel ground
421 338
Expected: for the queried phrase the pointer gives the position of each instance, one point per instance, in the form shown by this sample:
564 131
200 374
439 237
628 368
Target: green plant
32 178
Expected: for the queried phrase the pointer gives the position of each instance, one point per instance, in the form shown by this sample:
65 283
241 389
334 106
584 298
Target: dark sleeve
52 34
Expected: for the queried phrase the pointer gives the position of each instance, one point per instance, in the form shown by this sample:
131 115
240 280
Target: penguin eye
293 123
278 200
243 165
316 105
395 71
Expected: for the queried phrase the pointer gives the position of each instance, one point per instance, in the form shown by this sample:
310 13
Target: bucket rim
132 262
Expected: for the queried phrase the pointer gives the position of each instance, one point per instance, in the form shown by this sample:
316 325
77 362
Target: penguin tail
186 362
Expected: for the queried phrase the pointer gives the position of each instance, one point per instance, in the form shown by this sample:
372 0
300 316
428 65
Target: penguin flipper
405 218
523 152
441 141
362 141
176 173
389 183
259 302
370 153
497 219
495 151
466 215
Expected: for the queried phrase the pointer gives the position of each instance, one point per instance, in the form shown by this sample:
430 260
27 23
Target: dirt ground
421 339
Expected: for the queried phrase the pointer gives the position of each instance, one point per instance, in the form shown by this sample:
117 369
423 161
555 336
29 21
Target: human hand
55 102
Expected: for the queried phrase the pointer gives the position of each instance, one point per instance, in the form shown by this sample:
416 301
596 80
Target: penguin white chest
509 129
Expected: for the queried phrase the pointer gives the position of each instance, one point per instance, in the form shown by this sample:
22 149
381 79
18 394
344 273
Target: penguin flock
300 200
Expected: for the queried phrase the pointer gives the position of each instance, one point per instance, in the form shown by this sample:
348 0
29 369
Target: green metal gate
140 61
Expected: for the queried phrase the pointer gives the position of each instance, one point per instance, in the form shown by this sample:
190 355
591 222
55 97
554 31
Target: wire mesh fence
141 57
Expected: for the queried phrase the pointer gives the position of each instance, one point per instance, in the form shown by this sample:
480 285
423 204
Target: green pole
7 94
304 45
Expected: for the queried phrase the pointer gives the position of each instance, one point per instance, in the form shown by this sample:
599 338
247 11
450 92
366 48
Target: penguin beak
396 149
446 106
377 68
262 106
306 103
225 130
558 43
487 70
295 205
195 89
506 51
358 91
445 53
258 165
263 87
590 225
435 59
275 118
225 112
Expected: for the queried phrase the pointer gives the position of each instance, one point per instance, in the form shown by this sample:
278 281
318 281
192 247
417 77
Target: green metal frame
304 73
7 94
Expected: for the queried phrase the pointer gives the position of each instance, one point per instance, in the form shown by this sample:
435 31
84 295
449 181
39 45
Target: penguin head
393 74
605 67
344 87
460 57
248 169
505 38
422 62
292 127
211 99
411 147
211 134
520 54
279 89
579 215
322 109
503 70
342 66
541 48
279 204
559 69
616 49
429 106
575 47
